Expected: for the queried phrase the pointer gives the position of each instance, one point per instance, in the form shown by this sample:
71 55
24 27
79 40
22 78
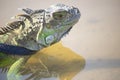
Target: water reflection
52 63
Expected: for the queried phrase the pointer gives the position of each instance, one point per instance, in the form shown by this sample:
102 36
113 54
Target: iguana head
61 15
59 19
39 28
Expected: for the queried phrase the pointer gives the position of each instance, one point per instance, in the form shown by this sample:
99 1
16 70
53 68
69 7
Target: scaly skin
36 30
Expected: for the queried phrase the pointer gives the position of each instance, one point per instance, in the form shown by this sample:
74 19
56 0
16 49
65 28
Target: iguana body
35 30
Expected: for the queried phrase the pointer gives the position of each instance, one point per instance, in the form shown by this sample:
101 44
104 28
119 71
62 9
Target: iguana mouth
66 32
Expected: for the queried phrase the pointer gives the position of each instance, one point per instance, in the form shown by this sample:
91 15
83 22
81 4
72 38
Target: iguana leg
13 72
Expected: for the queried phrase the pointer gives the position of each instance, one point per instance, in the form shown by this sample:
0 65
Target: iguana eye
60 15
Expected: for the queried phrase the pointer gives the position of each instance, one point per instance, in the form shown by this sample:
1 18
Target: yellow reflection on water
54 61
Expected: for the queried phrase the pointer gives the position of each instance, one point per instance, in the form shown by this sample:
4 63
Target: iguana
33 31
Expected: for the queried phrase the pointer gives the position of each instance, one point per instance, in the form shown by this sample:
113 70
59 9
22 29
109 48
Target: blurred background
96 36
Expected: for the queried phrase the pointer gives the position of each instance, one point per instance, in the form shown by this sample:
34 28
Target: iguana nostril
77 10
